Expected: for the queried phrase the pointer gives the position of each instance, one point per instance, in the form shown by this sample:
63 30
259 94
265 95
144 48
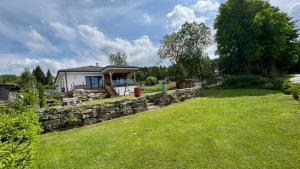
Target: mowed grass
223 129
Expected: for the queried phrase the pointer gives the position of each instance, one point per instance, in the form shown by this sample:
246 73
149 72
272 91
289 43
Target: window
93 81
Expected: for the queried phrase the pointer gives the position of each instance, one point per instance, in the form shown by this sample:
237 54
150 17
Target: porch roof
119 69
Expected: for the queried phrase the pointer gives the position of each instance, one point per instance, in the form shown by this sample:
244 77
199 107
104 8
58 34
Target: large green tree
117 58
255 37
39 75
186 48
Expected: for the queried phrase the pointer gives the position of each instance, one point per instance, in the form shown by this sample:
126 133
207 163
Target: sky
58 34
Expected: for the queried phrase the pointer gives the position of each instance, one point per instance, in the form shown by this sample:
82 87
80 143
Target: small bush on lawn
295 90
287 86
150 81
19 129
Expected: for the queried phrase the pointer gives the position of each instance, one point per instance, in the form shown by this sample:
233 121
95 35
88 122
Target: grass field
223 129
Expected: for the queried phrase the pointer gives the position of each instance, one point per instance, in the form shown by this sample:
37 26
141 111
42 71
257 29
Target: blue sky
59 34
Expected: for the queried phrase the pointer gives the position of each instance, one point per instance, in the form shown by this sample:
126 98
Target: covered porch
119 76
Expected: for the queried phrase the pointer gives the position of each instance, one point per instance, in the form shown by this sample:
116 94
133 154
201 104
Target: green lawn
224 129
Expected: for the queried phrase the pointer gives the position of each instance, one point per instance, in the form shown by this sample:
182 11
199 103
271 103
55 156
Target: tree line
252 37
36 75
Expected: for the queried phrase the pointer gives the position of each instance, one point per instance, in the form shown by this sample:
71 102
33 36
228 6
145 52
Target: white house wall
73 79
60 81
78 78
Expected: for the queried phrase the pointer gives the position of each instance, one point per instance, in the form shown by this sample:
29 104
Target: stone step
152 107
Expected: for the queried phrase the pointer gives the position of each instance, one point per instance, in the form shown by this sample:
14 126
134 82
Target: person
164 88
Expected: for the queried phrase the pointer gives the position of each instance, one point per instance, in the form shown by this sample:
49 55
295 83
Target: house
113 78
8 92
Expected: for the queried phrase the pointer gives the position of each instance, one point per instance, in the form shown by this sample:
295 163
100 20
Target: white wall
73 79
121 90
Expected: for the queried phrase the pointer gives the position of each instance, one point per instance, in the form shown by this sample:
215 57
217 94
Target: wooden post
103 81
110 78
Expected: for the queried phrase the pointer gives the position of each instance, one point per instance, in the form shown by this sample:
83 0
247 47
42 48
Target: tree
27 78
186 48
9 79
118 59
49 78
254 37
39 75
41 92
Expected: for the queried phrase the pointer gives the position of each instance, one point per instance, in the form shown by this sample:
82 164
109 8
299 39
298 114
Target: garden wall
72 116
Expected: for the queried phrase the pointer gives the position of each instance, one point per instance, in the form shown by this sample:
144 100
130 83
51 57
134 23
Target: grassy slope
225 129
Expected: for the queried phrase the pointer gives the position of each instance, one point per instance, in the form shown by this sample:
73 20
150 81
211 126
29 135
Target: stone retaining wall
72 116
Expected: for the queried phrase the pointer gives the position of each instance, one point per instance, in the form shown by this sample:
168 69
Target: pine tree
39 75
49 78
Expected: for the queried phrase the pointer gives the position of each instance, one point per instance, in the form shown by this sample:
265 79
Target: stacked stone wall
79 115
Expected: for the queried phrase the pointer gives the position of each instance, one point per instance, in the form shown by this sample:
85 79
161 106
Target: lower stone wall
72 116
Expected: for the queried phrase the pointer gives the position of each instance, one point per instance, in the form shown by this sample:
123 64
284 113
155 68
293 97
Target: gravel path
296 78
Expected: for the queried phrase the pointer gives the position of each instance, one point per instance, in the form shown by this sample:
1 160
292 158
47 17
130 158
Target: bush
251 81
19 129
150 81
42 97
286 87
295 91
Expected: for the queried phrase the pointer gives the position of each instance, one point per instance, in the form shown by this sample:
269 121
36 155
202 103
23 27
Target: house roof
95 69
83 69
11 86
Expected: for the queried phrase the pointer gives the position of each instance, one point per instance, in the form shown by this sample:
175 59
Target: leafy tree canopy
255 37
117 58
186 48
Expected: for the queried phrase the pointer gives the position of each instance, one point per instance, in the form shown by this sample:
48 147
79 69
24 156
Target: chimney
97 64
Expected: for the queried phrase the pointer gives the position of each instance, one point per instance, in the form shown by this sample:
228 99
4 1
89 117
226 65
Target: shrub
251 81
287 86
42 97
19 129
295 90
150 81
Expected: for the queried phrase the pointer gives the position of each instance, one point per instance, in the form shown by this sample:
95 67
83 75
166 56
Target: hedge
19 129
251 81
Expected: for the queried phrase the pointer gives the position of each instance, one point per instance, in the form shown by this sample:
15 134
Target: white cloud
206 6
16 63
292 7
36 43
147 18
63 31
295 12
181 14
140 51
